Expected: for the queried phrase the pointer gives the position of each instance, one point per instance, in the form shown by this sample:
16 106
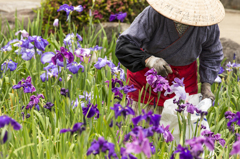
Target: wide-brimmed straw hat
190 12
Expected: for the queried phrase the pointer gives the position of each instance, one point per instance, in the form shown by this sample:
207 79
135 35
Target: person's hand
160 65
206 91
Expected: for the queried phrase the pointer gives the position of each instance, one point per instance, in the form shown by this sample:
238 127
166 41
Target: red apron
189 72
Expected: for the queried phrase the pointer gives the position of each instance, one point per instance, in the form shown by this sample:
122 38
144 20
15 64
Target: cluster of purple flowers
9 64
196 145
233 118
102 145
230 66
69 40
236 147
90 110
26 85
119 16
34 100
157 82
6 120
116 90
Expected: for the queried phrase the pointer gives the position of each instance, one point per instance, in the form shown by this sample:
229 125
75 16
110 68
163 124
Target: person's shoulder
151 12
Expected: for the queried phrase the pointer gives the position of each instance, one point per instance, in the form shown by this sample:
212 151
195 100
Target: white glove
160 65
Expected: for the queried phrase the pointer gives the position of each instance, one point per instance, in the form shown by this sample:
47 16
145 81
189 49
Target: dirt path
230 26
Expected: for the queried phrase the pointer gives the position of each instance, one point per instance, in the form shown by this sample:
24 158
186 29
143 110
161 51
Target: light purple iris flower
27 54
103 62
74 67
119 72
139 144
119 16
9 64
8 46
83 54
230 66
68 9
69 39
34 100
55 23
24 33
96 48
26 84
51 71
47 57
62 53
39 42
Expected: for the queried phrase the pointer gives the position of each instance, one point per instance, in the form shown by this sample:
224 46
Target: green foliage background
102 8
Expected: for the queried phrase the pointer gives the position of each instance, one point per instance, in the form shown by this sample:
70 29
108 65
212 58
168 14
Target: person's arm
139 33
210 60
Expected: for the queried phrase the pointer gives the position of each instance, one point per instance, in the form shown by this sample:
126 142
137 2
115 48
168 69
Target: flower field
64 96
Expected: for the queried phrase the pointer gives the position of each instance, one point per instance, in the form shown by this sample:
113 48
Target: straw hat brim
190 12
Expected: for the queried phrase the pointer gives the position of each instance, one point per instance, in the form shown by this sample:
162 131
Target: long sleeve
211 56
138 34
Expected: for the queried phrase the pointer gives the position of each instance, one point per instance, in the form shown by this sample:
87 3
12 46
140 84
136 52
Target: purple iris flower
83 54
39 42
221 70
127 89
178 82
118 72
229 115
167 134
153 119
157 82
119 16
34 100
103 62
62 53
51 71
112 17
69 39
64 92
101 145
24 33
236 148
68 9
90 111
48 106
74 67
6 120
96 48
27 54
26 84
9 64
46 57
236 119
139 144
190 108
120 110
8 46
230 66
78 127
184 153
210 135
